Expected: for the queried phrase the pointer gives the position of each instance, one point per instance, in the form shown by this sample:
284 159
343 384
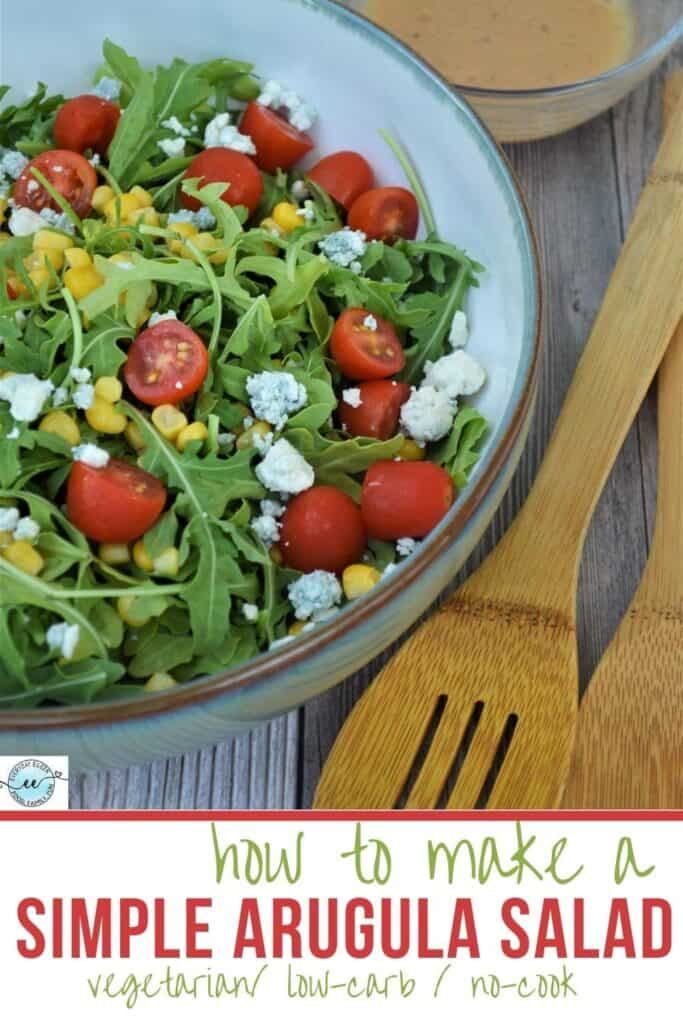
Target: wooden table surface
582 188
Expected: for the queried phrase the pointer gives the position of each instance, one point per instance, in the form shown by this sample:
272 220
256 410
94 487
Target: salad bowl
361 81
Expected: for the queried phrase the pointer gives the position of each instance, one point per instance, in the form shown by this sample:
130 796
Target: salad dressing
523 44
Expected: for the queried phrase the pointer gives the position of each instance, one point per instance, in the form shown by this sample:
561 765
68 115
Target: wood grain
581 189
630 737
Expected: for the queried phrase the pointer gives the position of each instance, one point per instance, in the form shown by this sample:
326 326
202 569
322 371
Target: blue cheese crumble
63 639
219 132
274 395
284 469
428 414
202 218
455 374
26 529
91 455
172 146
12 163
107 89
314 594
344 247
405 546
352 397
26 394
459 332
301 114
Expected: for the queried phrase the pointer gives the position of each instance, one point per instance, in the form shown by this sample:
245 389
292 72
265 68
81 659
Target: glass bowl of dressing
533 68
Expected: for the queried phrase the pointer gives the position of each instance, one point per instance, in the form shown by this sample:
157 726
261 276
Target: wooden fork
493 674
629 750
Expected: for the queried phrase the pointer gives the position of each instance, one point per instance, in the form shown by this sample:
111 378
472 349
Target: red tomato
116 504
377 415
405 499
385 214
166 363
86 122
366 353
69 173
322 529
344 175
278 143
237 170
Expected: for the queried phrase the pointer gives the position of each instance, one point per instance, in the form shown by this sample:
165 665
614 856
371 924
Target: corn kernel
103 417
6 539
120 209
114 554
62 425
410 451
46 239
41 276
80 281
23 556
167 563
210 245
272 227
169 421
193 432
142 195
16 288
133 436
120 257
101 196
296 628
141 556
77 258
286 217
109 388
358 580
160 681
258 429
147 215
124 606
184 228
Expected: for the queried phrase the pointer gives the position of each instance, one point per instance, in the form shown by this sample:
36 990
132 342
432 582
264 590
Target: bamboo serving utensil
493 674
629 750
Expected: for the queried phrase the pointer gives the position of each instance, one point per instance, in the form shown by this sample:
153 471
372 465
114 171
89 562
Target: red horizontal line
312 816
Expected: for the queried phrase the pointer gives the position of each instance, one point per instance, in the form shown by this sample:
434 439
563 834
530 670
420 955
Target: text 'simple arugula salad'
230 390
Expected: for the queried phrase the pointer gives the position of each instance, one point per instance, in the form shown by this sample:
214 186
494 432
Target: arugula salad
234 393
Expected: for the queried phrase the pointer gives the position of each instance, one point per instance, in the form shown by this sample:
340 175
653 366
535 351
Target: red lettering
57 925
96 937
650 950
130 910
249 931
390 950
619 931
581 951
550 930
162 952
318 950
290 928
519 949
30 952
193 928
424 950
359 937
463 917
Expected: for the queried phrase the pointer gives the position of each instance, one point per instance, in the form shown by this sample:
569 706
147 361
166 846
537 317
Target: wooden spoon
500 655
629 750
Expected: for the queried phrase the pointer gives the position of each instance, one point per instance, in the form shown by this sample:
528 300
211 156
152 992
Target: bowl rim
261 669
656 50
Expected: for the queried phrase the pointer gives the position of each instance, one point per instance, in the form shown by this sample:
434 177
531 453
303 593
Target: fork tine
521 783
479 760
440 756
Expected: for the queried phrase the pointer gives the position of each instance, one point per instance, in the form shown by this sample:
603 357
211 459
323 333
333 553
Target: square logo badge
29 783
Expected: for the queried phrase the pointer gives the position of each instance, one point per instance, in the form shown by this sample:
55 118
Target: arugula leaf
459 452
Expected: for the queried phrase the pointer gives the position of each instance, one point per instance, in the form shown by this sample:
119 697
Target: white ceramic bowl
361 80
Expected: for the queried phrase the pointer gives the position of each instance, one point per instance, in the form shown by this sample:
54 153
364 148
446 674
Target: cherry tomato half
385 214
278 143
378 412
238 170
322 529
366 353
345 175
86 122
405 499
166 363
115 504
69 173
